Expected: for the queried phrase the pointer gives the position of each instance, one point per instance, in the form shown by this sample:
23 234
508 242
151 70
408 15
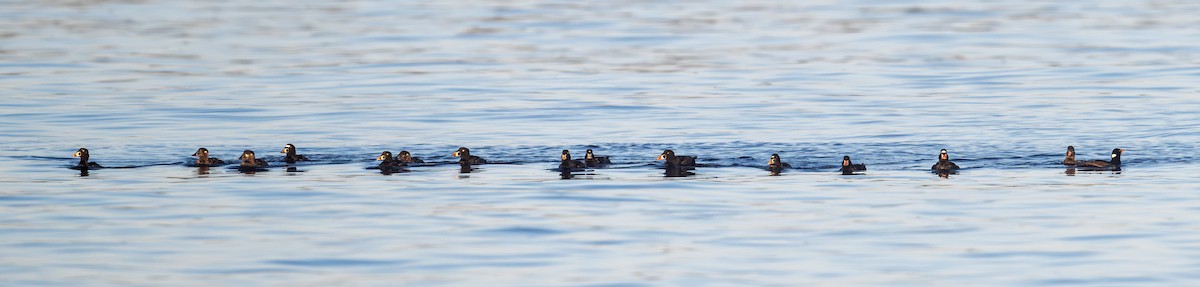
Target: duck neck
83 160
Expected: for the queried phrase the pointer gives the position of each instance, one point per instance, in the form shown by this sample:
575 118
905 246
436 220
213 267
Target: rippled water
1004 86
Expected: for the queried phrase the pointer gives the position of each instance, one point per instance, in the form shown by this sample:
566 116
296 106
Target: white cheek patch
1113 155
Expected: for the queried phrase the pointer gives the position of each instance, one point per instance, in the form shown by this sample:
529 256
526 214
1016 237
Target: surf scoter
1070 159
465 157
567 164
944 164
388 163
849 167
592 159
776 165
83 156
291 156
677 166
1096 165
202 158
405 158
251 163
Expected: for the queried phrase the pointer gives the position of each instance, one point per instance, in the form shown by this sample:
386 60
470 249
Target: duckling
465 157
389 164
291 156
776 165
83 156
567 164
204 160
251 163
406 158
849 167
592 159
1070 159
944 164
1099 165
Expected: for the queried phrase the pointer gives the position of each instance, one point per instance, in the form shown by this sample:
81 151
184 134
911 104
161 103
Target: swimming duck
1070 159
83 156
592 160
776 165
944 164
849 167
202 158
682 161
1096 165
465 157
567 163
291 156
405 158
389 164
249 162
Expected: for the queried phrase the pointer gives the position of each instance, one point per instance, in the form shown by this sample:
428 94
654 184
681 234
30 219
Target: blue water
1004 86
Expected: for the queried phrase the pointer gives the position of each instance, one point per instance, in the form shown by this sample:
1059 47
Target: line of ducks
675 165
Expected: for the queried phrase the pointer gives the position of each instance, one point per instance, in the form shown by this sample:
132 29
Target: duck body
250 163
681 161
83 156
592 160
566 164
1070 158
677 166
290 155
203 160
1114 164
849 167
944 164
405 158
465 157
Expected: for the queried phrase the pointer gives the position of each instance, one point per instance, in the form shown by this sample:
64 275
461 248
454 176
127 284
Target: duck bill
77 154
195 154
284 150
380 157
661 157
455 154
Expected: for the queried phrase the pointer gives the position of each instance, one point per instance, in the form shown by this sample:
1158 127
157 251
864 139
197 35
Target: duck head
289 149
668 155
845 160
588 155
462 152
404 156
82 154
774 159
566 155
943 156
247 158
385 156
1116 156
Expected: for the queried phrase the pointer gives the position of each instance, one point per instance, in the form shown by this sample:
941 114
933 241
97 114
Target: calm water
1004 86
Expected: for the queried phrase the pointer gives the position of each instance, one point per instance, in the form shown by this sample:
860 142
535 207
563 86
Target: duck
849 167
251 163
291 156
944 164
405 158
682 160
1097 165
776 165
567 164
204 160
83 156
388 163
465 157
1070 159
591 159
